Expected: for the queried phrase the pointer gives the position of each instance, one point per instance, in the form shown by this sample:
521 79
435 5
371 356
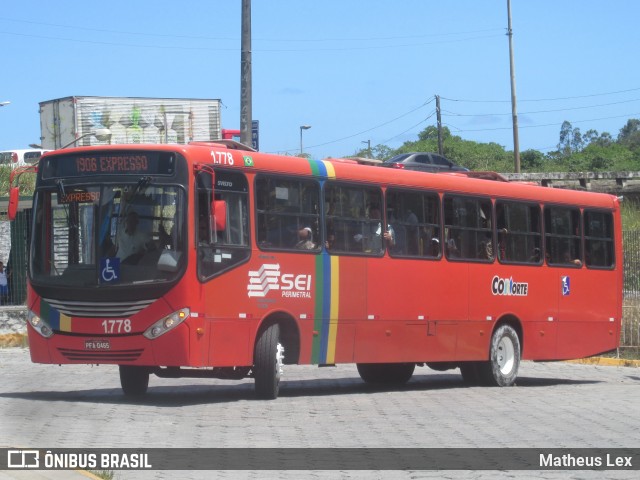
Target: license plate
97 344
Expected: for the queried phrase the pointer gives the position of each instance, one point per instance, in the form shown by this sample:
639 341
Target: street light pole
303 127
100 133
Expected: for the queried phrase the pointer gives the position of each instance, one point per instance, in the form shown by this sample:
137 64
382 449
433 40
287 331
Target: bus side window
598 234
468 224
563 236
415 218
221 250
352 220
519 232
288 214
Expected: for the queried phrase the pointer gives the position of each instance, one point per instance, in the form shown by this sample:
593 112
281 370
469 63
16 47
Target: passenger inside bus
305 239
388 235
452 248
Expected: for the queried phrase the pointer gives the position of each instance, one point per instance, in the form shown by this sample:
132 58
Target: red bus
246 262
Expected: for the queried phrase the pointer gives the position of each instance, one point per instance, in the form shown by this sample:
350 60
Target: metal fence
13 253
630 335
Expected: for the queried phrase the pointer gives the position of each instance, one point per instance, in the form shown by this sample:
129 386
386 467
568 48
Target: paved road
554 405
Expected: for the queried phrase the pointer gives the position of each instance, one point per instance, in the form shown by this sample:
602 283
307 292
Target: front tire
267 368
504 360
134 380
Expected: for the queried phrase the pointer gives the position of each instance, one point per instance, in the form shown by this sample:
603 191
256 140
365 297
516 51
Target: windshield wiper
61 191
62 196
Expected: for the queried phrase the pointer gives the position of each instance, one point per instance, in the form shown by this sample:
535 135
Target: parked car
423 161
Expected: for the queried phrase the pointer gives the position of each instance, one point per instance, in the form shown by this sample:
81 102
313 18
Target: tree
630 134
431 133
564 145
632 126
532 160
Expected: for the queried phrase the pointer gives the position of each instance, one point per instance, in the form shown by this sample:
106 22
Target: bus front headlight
167 323
39 325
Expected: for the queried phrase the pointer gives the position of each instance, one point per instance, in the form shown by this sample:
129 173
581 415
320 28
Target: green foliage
630 212
27 182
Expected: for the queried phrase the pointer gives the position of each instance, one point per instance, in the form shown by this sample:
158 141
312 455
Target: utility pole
368 142
245 75
514 110
439 117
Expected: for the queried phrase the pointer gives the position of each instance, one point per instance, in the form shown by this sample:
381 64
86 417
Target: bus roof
348 169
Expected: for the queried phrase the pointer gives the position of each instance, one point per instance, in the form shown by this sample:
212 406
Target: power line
234 39
264 50
542 111
410 128
546 124
543 99
367 130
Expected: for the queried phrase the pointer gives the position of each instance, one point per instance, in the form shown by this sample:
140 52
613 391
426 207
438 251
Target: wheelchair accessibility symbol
566 286
109 270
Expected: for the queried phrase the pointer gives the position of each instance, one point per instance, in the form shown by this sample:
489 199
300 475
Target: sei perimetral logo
269 277
507 286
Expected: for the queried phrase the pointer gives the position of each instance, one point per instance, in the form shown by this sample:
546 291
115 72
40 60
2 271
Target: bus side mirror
14 198
220 214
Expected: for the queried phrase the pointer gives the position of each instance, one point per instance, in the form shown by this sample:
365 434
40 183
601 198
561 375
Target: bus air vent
78 308
102 355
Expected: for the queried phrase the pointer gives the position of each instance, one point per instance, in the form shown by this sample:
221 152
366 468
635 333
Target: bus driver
132 242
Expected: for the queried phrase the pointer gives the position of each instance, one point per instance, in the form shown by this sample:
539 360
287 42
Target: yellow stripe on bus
331 172
65 323
335 304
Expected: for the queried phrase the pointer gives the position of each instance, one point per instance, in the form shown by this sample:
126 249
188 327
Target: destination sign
110 163
79 196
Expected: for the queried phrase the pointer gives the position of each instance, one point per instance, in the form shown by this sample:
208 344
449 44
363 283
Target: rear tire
387 373
134 380
504 359
268 357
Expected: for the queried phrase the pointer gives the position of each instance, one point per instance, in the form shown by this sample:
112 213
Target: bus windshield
108 235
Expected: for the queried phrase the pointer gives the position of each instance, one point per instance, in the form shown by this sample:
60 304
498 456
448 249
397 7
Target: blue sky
355 71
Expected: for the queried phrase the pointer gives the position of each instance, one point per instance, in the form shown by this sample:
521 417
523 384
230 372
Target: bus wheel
397 373
502 368
134 380
268 358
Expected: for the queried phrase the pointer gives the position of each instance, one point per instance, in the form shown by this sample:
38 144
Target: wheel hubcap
505 355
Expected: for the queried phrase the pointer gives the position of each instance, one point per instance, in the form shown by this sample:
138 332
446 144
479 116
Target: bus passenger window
598 235
287 214
519 232
563 236
354 222
468 224
415 219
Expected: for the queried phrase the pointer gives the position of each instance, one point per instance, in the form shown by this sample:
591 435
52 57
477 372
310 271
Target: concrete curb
607 362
